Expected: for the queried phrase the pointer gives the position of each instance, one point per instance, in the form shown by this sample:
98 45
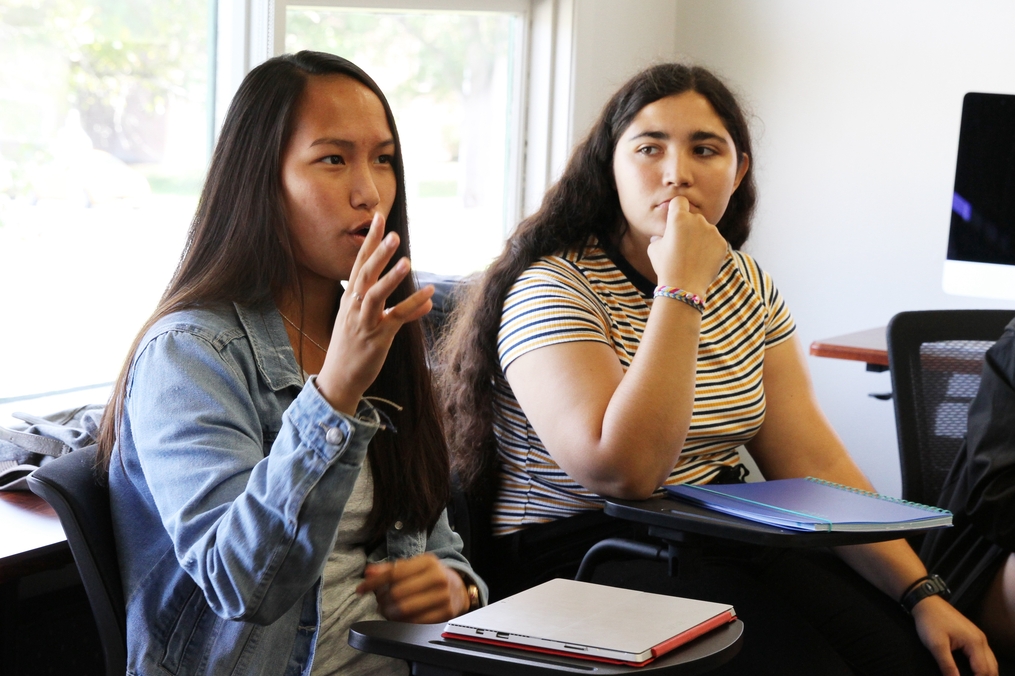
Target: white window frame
544 105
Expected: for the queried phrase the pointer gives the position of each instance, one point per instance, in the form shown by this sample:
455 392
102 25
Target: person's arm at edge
797 440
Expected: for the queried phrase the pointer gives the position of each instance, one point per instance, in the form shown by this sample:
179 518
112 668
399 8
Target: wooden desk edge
42 553
49 557
868 346
867 355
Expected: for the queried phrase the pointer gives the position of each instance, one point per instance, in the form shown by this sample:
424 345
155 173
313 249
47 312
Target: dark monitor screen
981 239
983 204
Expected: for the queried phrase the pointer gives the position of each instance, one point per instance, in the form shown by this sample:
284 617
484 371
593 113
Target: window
454 81
107 118
104 140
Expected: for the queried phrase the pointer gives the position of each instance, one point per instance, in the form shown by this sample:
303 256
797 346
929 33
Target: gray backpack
25 448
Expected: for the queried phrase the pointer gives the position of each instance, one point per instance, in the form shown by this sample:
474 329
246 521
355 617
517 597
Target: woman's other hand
944 630
690 252
364 328
420 589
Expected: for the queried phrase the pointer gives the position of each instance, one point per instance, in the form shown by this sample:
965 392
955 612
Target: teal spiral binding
872 494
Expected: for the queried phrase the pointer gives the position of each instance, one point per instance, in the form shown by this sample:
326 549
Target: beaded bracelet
673 292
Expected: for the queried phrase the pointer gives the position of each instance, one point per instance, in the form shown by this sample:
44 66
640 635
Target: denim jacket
227 485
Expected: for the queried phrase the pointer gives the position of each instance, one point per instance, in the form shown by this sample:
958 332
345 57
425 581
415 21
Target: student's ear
745 163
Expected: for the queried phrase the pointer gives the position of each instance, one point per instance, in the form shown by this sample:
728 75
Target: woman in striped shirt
622 342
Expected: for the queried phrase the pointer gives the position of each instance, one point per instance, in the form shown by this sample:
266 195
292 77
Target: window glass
452 81
103 149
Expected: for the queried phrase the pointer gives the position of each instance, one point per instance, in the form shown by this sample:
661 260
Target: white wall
581 51
613 40
857 108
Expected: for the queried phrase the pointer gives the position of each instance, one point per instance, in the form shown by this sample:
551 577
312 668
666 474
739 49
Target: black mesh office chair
935 358
468 514
69 485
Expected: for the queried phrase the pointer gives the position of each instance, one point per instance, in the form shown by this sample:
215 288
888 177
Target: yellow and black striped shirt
585 296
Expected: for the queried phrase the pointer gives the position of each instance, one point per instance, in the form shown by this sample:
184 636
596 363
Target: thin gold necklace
318 345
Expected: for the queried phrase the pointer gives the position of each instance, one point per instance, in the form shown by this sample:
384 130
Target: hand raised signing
364 328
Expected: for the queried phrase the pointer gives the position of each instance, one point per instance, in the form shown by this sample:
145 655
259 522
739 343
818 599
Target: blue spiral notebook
813 505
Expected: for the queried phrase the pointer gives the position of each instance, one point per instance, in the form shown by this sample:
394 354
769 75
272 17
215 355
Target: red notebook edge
545 651
694 632
657 651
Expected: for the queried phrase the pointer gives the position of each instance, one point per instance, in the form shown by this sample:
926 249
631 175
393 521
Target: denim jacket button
334 436
398 525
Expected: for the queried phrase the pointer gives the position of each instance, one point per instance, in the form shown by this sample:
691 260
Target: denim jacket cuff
332 434
469 577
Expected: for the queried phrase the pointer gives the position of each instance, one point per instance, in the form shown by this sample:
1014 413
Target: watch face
931 585
473 592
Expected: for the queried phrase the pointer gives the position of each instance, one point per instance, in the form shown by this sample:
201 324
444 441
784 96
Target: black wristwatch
921 589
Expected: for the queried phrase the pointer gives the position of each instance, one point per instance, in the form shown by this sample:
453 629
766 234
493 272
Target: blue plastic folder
813 505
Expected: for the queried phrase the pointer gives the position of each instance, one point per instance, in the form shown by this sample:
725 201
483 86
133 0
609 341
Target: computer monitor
981 240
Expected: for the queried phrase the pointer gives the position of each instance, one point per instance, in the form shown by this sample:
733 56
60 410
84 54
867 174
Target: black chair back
447 292
469 516
69 485
936 358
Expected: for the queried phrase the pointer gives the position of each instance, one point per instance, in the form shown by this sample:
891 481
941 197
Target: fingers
677 206
373 238
982 664
420 589
981 659
368 288
413 307
415 588
408 310
942 629
371 269
371 260
375 291
945 662
691 250
375 576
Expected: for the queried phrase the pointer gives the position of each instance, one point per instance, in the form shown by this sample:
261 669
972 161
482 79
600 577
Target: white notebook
579 619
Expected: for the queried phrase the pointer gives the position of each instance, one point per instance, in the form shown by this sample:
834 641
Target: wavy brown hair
581 204
238 251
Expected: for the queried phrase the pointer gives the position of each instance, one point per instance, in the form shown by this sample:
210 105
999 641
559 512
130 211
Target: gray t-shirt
341 606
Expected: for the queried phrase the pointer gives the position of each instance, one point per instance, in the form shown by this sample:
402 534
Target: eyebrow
700 135
344 144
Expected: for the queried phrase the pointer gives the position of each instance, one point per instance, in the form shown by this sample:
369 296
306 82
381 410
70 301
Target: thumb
681 204
676 206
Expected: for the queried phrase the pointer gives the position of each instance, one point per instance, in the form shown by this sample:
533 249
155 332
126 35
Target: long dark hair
582 203
238 250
